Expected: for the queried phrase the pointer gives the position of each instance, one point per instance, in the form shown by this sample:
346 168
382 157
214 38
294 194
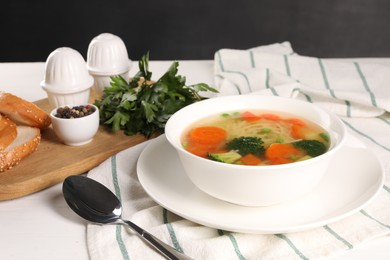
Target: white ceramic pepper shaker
66 79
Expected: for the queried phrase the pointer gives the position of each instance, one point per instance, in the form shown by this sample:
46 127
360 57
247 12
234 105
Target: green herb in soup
256 138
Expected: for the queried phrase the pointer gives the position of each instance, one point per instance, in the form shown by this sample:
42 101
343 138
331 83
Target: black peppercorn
74 112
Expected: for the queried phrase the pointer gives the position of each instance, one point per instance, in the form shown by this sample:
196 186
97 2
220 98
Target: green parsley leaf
143 106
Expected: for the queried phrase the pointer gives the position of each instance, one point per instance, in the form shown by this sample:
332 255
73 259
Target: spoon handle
165 249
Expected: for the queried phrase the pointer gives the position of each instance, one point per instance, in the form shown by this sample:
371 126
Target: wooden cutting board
54 161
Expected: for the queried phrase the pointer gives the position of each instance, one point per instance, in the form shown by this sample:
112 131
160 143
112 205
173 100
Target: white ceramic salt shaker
107 56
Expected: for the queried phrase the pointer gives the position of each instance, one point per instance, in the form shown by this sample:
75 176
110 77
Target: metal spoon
96 203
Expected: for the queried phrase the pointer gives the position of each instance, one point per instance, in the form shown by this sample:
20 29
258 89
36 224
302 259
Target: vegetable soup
256 138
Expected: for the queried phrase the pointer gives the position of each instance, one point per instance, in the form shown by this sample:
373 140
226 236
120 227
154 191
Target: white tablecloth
41 226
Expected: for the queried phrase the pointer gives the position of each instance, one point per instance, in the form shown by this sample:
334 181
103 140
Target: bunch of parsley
141 105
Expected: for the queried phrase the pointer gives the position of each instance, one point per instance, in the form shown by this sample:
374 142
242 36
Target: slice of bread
7 132
25 143
23 112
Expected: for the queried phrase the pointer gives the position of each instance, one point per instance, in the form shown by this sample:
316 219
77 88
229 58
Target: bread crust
23 112
27 141
7 132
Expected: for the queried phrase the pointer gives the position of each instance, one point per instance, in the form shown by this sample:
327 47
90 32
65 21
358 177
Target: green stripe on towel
325 78
234 243
267 85
115 177
236 248
287 65
331 91
374 219
291 244
366 136
338 237
220 61
121 244
235 85
243 75
384 120
119 239
308 98
348 112
366 86
252 58
171 232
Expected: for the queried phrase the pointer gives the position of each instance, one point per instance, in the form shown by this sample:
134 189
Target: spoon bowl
96 203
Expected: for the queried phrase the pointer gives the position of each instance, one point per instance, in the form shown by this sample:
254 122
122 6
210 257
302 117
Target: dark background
184 29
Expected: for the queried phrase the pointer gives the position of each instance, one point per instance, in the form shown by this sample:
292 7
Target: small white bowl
254 185
107 56
75 131
67 80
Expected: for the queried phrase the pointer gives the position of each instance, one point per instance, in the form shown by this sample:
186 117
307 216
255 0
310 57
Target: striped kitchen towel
205 243
352 89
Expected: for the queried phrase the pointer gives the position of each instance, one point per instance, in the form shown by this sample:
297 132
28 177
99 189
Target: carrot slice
249 116
296 121
250 159
271 117
199 150
276 161
296 131
203 149
210 135
281 153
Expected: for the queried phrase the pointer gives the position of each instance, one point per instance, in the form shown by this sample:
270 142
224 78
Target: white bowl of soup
255 150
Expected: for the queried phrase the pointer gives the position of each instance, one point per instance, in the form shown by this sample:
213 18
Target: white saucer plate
353 181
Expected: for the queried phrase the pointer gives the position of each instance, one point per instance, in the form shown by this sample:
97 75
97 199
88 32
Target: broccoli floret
311 147
246 144
227 157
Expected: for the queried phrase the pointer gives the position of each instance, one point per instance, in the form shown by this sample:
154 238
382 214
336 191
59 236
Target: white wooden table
41 226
